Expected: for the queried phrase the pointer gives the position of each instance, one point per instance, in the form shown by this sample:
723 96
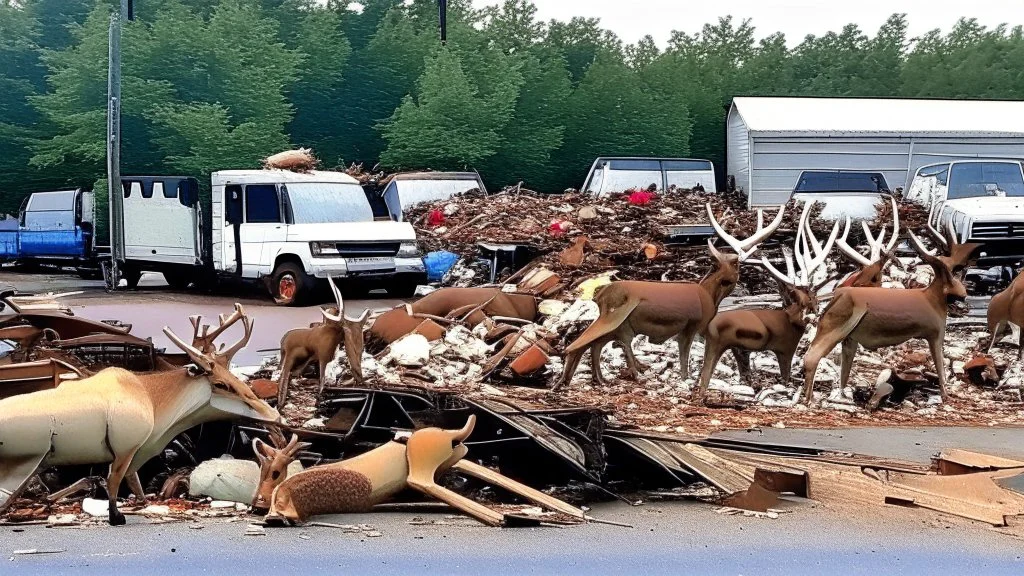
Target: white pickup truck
287 229
983 199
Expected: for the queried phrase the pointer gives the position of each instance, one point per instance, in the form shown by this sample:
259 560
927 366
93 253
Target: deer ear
262 450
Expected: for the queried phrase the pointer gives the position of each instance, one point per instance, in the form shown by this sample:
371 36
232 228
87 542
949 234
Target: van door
231 235
263 222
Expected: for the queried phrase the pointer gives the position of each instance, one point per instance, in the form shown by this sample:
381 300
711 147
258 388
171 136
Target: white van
285 228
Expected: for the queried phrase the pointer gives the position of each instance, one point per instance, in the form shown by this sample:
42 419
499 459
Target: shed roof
881 116
279 176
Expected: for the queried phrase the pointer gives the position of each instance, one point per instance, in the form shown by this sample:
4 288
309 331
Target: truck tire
290 285
131 277
177 279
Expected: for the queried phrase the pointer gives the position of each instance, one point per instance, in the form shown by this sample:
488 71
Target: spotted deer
121 417
662 310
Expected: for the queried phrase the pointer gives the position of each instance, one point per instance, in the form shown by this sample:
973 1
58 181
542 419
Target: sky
632 19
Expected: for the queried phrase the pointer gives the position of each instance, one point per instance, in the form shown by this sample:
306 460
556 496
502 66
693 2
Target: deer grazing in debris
454 302
876 317
661 310
1008 307
121 417
779 331
879 255
301 346
274 461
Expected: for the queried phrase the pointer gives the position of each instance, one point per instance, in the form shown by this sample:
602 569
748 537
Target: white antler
876 244
810 254
745 248
341 306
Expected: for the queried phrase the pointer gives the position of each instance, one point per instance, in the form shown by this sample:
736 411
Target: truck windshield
972 179
831 181
327 202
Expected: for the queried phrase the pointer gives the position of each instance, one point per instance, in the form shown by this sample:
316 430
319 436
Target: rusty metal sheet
796 482
956 461
974 496
727 476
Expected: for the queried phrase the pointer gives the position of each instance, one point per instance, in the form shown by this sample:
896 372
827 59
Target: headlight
323 249
408 250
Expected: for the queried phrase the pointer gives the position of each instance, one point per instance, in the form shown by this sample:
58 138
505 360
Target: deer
775 330
879 255
453 301
412 460
1007 307
661 310
121 417
301 346
876 317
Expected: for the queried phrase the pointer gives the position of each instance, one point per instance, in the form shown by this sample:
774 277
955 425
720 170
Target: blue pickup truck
55 227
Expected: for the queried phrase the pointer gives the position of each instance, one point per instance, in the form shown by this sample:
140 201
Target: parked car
983 199
842 192
609 175
53 227
407 189
291 230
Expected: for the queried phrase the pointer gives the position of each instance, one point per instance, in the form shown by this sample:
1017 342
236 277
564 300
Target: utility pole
442 16
115 195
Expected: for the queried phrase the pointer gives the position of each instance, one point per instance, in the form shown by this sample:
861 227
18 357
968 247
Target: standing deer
120 417
745 331
1008 307
661 310
879 252
301 346
877 317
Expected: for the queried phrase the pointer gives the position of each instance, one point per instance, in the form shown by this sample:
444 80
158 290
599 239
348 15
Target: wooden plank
956 461
536 496
726 475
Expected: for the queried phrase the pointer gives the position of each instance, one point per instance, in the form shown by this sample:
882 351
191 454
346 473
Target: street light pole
115 196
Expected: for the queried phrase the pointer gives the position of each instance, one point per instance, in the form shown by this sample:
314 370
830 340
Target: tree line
215 84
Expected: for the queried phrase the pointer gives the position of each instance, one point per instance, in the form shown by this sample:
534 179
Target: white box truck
289 230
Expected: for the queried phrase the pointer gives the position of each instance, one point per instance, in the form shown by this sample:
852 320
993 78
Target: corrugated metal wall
737 159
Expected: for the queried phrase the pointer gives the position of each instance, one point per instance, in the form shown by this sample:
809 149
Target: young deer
1008 307
745 331
274 461
120 417
661 310
879 253
301 346
877 317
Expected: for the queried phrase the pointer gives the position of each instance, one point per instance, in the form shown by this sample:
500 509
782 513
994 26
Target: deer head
228 393
274 461
797 286
336 316
945 280
721 281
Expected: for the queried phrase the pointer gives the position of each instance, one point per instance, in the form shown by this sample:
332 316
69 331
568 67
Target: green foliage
218 84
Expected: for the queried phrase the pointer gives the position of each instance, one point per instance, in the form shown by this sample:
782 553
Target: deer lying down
397 322
1007 307
301 346
371 478
662 310
120 417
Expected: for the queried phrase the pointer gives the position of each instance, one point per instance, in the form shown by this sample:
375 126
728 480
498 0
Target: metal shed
771 141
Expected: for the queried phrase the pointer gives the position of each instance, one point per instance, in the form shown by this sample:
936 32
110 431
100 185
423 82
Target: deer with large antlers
301 346
778 331
661 310
879 255
877 317
957 256
121 417
1007 307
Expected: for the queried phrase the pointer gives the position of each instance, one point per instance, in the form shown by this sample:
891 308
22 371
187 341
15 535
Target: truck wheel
177 279
131 276
290 284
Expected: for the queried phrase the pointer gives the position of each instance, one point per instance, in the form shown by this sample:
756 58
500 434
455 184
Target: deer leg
712 353
848 354
940 365
595 361
685 340
742 364
995 335
785 366
287 362
626 341
117 472
136 485
829 335
323 370
572 360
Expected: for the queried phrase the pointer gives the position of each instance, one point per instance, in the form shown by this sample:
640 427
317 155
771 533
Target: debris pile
300 160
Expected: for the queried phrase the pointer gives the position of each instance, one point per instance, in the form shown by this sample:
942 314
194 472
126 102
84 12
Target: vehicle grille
983 230
367 249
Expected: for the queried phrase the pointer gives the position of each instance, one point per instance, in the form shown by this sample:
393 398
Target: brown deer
877 317
661 310
453 301
120 417
879 255
274 461
779 331
301 346
1008 307
358 483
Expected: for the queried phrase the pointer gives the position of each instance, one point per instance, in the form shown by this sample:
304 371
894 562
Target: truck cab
609 175
984 201
292 229
56 226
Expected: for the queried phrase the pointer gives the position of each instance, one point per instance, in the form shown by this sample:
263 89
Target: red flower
435 218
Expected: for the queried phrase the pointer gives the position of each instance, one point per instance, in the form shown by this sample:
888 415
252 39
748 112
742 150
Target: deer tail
606 323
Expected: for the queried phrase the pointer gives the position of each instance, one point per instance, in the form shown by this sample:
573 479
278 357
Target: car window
974 179
262 204
328 202
836 181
